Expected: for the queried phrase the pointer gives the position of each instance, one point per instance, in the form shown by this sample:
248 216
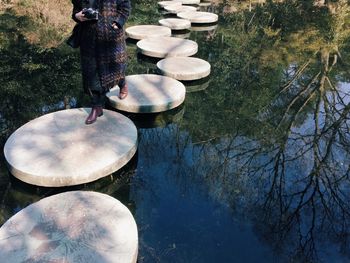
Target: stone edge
164 55
186 76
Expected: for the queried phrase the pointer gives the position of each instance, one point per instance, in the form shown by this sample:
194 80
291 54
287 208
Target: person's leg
98 97
91 81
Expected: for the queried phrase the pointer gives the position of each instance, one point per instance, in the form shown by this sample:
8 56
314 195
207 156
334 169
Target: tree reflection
290 174
313 203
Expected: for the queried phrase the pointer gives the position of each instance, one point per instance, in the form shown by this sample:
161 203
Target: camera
90 13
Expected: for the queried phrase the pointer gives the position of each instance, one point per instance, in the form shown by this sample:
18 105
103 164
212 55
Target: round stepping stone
199 17
144 31
161 47
149 93
59 149
190 2
175 23
166 3
184 68
178 9
78 226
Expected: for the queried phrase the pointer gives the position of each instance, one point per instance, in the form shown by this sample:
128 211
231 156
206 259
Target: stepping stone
78 226
178 9
199 17
203 28
144 31
166 3
59 149
149 93
190 2
175 23
161 47
184 68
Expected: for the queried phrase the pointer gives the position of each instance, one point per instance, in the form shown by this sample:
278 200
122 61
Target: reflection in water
181 33
153 120
255 169
202 28
293 176
17 194
198 85
296 185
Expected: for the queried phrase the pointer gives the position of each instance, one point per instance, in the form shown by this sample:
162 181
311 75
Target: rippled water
253 167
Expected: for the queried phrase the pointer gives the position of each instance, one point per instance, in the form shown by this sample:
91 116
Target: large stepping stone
149 93
178 9
59 149
199 17
184 68
166 3
78 226
161 47
175 23
144 31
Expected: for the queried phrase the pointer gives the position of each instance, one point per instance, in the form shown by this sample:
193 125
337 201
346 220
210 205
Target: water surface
253 167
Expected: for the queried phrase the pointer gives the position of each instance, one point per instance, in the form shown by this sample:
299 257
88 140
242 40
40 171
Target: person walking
102 49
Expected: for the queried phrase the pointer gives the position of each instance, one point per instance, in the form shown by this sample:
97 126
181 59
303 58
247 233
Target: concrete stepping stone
184 68
161 47
199 17
144 31
149 93
78 226
175 23
59 149
178 9
166 3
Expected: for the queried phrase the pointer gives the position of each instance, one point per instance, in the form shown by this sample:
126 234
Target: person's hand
115 26
80 16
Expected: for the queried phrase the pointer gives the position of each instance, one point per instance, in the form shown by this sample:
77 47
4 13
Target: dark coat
103 45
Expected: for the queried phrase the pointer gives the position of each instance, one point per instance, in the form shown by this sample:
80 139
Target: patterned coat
103 48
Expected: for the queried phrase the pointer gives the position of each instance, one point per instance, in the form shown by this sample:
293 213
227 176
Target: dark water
254 167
